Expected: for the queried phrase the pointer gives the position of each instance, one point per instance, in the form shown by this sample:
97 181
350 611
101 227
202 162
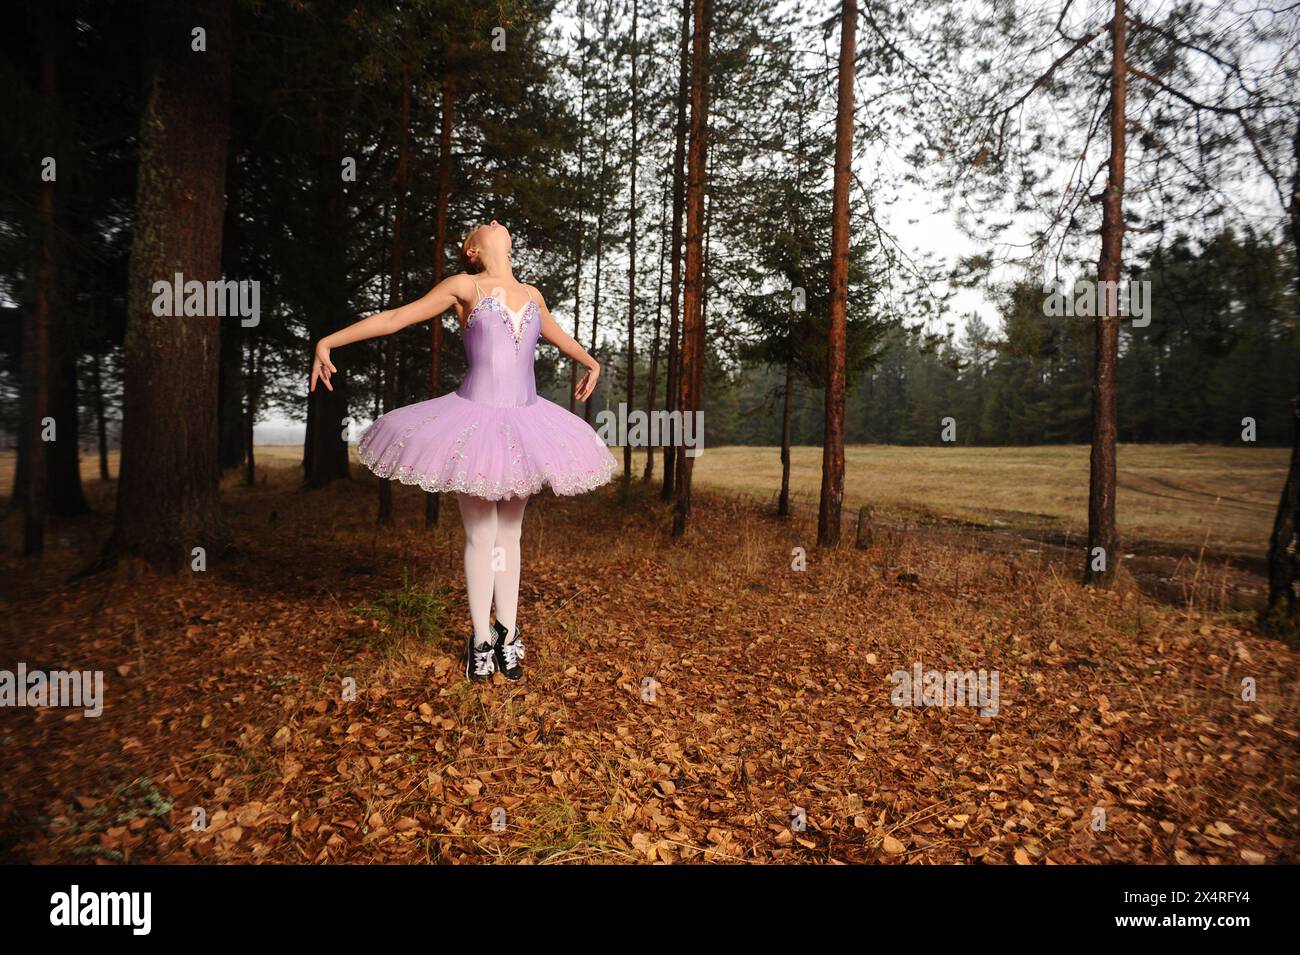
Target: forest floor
1121 732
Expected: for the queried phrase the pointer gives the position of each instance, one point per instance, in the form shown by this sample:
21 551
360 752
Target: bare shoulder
462 286
534 291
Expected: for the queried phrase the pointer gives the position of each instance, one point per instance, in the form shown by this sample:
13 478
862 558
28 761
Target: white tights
492 531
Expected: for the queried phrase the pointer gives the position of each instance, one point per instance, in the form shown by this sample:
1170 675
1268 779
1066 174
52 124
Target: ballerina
494 441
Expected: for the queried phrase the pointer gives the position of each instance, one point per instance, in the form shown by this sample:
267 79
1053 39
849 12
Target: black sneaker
508 653
480 661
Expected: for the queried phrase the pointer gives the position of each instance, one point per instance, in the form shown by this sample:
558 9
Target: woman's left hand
588 383
322 367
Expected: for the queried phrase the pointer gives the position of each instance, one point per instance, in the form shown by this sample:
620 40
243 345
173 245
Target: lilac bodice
500 369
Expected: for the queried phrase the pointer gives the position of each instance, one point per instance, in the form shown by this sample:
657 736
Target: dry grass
1190 496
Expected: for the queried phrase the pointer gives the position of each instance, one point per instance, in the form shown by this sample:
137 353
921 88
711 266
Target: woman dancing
492 441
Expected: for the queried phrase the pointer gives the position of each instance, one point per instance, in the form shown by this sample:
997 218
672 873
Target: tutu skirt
451 443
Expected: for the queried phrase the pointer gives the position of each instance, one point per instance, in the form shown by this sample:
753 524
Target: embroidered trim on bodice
516 322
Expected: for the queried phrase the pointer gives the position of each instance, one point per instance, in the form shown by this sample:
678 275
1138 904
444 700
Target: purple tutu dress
493 437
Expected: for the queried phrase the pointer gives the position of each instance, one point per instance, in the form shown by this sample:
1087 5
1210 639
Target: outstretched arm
457 290
565 342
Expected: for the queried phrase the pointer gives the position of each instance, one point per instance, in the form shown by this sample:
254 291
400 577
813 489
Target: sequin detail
504 314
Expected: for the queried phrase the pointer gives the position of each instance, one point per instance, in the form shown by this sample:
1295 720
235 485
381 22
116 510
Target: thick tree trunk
832 494
325 457
1102 557
168 492
327 449
693 302
672 389
30 475
1283 614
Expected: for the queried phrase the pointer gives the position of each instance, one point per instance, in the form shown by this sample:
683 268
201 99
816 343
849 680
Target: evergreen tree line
1220 347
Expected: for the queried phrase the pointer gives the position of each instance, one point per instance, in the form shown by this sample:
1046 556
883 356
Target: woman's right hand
588 383
322 367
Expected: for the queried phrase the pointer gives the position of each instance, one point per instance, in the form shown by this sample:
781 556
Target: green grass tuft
411 610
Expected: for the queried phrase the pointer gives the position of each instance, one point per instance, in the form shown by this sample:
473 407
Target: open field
1191 496
1185 496
224 692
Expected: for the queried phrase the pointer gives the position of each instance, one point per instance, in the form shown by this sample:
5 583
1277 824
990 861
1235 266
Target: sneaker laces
484 665
517 643
513 653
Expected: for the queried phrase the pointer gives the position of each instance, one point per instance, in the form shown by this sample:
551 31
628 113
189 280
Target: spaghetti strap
480 290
